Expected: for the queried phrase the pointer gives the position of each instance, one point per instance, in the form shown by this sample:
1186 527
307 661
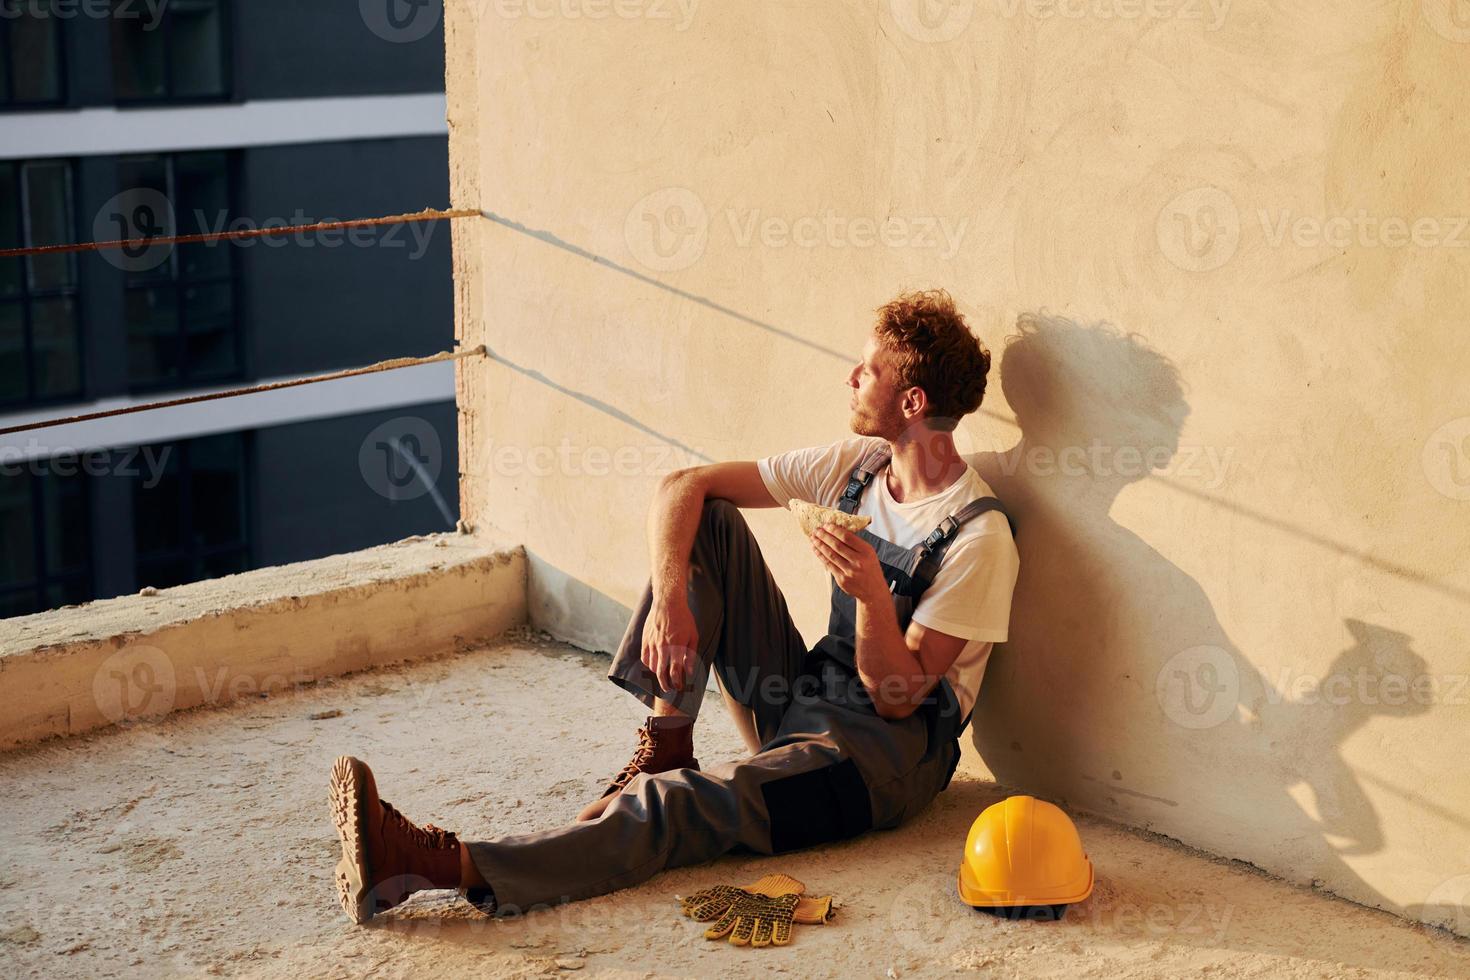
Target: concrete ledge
80 668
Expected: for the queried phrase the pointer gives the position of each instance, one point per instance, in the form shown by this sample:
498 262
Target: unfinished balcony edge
140 657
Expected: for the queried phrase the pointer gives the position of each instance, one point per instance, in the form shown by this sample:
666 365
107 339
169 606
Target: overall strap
871 463
928 554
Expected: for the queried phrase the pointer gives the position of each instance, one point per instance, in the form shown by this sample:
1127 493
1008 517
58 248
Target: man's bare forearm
673 521
885 664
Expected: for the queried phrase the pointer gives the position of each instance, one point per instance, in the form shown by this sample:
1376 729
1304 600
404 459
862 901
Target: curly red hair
934 349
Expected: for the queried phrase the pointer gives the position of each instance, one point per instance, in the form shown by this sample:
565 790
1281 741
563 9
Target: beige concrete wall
1228 245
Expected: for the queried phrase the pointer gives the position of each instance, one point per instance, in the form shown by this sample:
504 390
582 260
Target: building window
192 523
176 52
40 354
45 528
179 309
31 66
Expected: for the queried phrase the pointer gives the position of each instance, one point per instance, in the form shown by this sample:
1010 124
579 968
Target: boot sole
352 871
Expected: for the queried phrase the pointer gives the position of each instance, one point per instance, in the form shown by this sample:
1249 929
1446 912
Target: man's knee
721 517
718 508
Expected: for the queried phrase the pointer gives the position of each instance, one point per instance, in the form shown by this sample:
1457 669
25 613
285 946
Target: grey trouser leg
831 772
662 820
745 630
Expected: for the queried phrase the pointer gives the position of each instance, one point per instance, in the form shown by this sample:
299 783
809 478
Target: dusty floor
201 846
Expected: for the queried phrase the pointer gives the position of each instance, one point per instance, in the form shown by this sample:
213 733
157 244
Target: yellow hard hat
1024 853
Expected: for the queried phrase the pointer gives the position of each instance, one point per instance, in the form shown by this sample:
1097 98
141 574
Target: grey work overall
828 768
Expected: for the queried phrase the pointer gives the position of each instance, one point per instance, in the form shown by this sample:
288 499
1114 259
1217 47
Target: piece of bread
812 516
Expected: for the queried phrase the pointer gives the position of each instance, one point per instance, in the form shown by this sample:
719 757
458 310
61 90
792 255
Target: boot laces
642 756
428 836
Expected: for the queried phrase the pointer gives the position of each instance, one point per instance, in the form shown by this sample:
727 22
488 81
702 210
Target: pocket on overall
817 806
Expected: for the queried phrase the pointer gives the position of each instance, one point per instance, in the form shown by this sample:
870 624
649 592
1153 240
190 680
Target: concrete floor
201 846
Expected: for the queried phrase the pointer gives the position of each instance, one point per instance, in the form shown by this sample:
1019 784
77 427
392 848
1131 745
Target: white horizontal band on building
264 122
419 385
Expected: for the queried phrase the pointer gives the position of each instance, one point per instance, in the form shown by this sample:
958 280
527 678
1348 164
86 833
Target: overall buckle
943 532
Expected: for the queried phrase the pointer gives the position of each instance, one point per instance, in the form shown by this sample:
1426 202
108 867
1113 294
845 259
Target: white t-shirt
970 597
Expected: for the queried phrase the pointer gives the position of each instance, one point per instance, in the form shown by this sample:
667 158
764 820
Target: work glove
756 920
757 913
715 901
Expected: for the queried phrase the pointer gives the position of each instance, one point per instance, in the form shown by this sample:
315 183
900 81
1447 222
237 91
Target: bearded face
875 398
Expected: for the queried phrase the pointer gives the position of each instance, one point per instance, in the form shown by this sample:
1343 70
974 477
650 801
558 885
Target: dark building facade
134 118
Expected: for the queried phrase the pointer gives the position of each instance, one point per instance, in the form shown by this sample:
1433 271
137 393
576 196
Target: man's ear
914 402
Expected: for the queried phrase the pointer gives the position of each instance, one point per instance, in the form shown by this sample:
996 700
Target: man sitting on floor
859 732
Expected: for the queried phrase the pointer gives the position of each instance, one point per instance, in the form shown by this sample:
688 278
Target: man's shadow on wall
1119 689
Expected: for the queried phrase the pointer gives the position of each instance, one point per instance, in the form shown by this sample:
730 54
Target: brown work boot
661 746
385 857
